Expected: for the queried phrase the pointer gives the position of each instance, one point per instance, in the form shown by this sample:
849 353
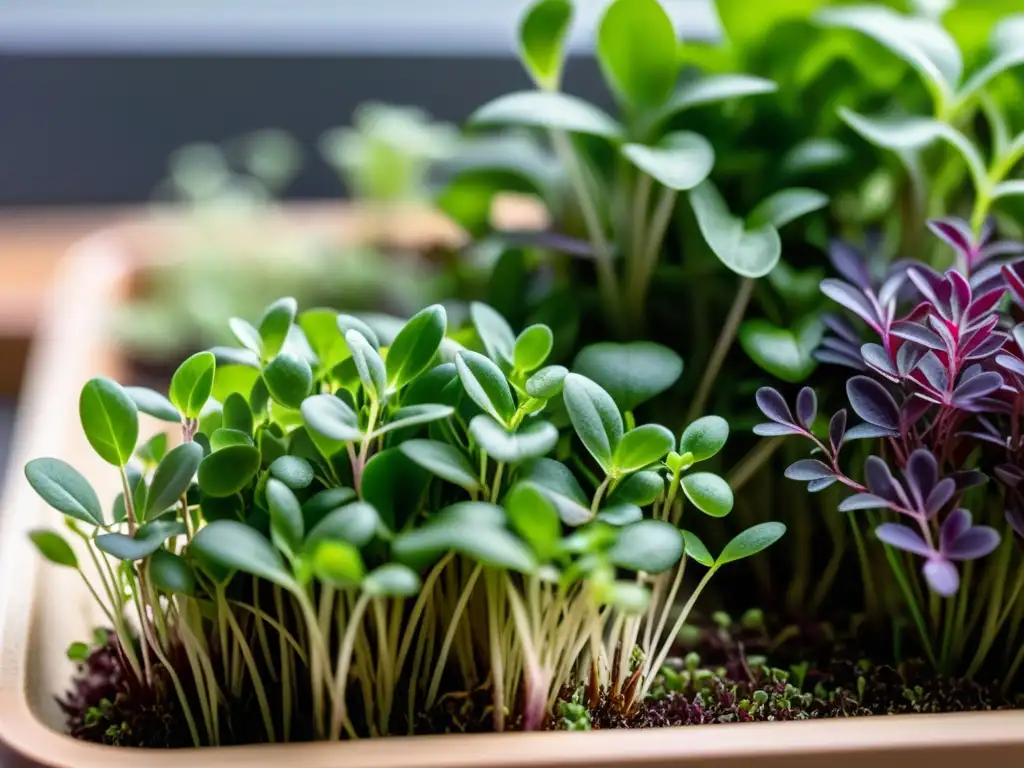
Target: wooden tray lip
100 266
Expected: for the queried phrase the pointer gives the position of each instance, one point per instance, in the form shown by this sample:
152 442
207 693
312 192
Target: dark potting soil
725 680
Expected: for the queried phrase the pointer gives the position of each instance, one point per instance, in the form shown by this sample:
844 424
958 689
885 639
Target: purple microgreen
773 429
806 470
903 537
921 474
878 360
956 232
863 501
907 358
918 334
848 263
956 523
942 576
806 406
1014 280
837 429
840 328
848 296
968 478
881 482
821 484
976 387
939 496
773 405
972 544
869 432
872 402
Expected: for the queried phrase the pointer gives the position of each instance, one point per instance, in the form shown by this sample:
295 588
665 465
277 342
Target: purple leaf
918 334
820 484
878 359
868 432
840 328
1009 475
903 537
955 525
808 469
863 501
847 359
848 263
940 496
890 289
944 330
1011 273
931 285
882 483
956 232
914 409
960 292
984 304
978 386
1012 364
872 402
922 473
979 541
942 577
837 429
932 372
982 346
773 405
773 429
908 356
806 406
968 478
849 297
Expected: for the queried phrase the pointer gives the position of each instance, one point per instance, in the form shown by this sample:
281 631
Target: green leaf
395 485
533 347
236 414
274 326
287 526
427 389
894 132
324 335
289 379
412 351
153 403
79 651
695 549
547 382
229 470
338 563
637 51
222 438
147 540
153 450
317 507
392 580
356 523
348 323
246 335
620 514
750 542
531 441
547 109
486 385
786 354
488 545
641 447
709 493
369 364
192 384
444 460
170 573
65 489
235 546
331 417
110 420
542 34
1012 188
562 489
698 91
172 478
294 472
628 597
495 334
631 373
413 415
640 489
535 519
749 253
680 161
786 205
594 416
54 548
229 379
651 546
704 437
232 357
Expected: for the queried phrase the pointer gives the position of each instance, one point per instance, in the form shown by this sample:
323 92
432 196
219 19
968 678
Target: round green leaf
65 489
229 379
294 472
153 403
547 109
170 573
749 253
531 441
489 545
594 416
533 347
392 580
695 549
535 519
786 354
172 478
324 335
628 597
704 437
287 526
246 335
786 205
641 447
368 363
427 389
232 357
192 384
222 438
229 470
562 488
700 91
709 493
233 545
495 334
412 351
395 485
147 540
338 563
680 161
651 546
485 384
110 420
348 323
898 133
54 548
153 450
620 514
331 417
640 488
413 415
444 460
318 506
751 541
631 373
638 52
236 414
547 382
356 523
274 326
542 34
288 379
